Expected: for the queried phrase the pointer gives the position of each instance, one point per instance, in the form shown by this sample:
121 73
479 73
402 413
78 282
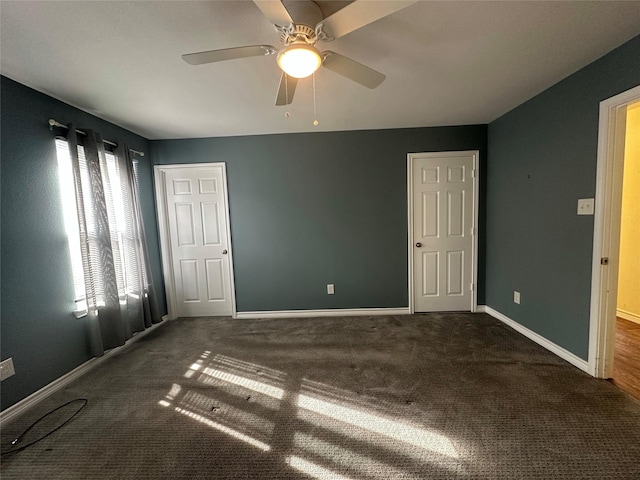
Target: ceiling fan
302 25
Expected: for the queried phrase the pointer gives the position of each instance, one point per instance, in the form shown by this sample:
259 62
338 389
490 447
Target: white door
443 214
196 234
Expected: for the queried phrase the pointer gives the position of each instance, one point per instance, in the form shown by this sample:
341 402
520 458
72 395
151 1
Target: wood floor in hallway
626 363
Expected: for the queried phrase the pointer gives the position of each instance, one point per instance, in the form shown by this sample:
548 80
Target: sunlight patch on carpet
418 437
222 428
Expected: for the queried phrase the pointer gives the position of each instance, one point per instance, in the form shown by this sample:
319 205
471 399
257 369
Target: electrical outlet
330 289
6 369
585 206
516 297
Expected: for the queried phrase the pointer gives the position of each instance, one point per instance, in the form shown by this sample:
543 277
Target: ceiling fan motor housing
307 25
304 12
298 33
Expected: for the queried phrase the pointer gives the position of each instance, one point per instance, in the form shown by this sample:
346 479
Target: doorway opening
626 357
615 299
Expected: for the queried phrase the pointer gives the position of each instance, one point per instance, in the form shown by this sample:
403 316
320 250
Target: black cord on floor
17 440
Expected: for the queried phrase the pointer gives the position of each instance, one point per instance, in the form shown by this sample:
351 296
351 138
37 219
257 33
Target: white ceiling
447 63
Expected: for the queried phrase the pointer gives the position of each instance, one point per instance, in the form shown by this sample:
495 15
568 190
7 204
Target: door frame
410 209
606 231
163 230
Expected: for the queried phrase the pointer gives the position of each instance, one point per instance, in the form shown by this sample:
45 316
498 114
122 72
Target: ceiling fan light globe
299 61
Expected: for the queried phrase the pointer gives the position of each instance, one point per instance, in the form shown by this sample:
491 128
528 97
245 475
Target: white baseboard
632 317
332 312
36 397
539 339
481 309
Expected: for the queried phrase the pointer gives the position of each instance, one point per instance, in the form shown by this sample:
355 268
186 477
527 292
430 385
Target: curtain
120 297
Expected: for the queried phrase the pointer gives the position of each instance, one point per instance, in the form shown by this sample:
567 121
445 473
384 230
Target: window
128 262
67 189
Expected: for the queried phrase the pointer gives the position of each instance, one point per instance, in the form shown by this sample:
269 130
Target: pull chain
315 107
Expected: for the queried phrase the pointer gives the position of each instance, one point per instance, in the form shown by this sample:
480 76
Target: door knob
418 244
224 252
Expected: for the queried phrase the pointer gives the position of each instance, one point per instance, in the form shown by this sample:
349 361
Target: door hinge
604 261
473 173
473 231
471 287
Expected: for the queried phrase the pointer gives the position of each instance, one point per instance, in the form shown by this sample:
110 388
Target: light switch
585 206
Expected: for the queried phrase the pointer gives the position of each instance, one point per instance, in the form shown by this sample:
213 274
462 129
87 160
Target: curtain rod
55 123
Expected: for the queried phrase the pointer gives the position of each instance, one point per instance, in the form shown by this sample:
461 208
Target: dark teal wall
317 208
542 159
38 329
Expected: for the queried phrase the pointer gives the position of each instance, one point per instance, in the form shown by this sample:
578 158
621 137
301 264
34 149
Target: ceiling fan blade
360 13
275 11
223 54
286 90
352 70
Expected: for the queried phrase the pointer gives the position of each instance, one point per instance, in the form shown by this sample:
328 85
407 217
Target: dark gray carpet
434 396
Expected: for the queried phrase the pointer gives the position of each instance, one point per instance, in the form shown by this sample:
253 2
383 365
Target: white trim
475 226
163 230
410 232
632 317
32 400
540 340
167 266
332 312
232 283
481 309
476 208
606 231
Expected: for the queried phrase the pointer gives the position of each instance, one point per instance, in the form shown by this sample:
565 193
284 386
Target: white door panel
443 194
430 274
197 235
210 223
215 280
190 291
455 273
186 235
